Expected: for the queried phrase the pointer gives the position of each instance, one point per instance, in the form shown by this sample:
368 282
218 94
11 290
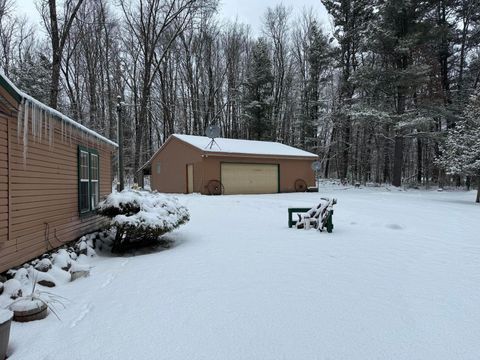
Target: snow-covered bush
140 215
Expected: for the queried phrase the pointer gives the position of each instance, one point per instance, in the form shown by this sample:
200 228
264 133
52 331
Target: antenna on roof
212 131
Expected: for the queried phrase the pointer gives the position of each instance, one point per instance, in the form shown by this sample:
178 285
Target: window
88 180
84 182
94 180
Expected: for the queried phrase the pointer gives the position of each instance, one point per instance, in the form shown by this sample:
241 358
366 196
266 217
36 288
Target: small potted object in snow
5 322
29 309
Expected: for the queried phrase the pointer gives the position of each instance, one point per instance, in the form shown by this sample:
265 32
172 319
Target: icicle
62 126
25 133
34 122
45 115
39 124
21 109
40 112
51 130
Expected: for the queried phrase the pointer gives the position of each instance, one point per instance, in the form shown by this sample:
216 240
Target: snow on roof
55 112
236 146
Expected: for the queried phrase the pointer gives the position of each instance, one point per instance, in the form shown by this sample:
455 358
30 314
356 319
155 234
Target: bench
328 225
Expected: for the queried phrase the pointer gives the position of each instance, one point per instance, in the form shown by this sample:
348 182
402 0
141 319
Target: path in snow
398 279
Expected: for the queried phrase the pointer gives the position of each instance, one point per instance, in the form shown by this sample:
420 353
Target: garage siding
171 163
290 169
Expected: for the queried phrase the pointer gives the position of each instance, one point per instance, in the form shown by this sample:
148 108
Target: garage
221 166
241 178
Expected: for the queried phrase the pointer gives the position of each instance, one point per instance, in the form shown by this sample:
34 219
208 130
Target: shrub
141 216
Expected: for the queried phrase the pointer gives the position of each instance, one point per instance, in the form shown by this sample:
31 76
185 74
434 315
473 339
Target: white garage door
249 178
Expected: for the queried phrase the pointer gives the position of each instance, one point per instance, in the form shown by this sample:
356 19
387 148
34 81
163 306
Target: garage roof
236 146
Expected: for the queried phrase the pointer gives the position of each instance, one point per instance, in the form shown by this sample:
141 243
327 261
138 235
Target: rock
62 260
46 283
3 278
81 247
79 274
13 288
1 288
10 274
22 276
43 265
77 271
91 252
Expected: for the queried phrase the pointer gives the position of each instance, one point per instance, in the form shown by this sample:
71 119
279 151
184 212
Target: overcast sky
247 11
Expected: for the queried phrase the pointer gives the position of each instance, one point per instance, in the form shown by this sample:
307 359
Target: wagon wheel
215 187
300 185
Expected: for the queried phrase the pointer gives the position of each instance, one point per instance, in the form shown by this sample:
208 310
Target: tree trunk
345 150
478 189
419 161
398 161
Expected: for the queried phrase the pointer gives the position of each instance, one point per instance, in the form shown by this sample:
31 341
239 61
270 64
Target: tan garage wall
172 161
44 193
290 169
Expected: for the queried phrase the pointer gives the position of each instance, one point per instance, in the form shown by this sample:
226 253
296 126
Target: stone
13 288
79 274
22 276
43 265
46 283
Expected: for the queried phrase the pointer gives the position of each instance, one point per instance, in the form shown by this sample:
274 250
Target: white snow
62 259
27 304
154 210
236 146
12 287
397 279
5 315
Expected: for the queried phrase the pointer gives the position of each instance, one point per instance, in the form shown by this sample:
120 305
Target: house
53 171
187 163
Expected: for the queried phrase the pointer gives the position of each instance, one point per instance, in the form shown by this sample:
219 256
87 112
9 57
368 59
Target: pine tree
461 150
33 75
259 87
399 32
318 58
352 18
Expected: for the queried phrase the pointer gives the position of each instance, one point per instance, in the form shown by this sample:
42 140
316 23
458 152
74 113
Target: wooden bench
291 222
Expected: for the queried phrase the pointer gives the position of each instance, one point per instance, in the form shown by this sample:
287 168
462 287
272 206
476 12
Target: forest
386 92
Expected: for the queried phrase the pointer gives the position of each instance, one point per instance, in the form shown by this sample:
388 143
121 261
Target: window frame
91 153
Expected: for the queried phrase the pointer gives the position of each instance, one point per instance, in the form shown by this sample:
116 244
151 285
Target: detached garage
187 163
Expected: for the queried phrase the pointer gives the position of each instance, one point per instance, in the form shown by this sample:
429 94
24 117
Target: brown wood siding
173 160
44 193
3 180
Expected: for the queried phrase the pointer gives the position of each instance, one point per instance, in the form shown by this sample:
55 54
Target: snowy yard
398 279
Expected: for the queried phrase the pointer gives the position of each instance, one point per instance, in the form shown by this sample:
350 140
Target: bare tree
59 31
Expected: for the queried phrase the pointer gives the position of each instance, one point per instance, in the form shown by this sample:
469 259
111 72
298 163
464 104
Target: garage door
249 178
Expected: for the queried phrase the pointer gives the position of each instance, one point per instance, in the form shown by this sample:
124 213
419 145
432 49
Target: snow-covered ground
399 278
